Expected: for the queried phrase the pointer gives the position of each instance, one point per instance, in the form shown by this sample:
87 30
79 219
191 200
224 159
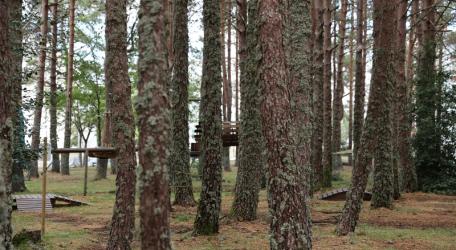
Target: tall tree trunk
408 171
229 92
385 44
153 106
285 71
65 163
53 86
241 28
7 111
317 93
251 142
179 158
327 128
375 140
400 137
224 73
15 36
350 80
426 139
239 23
338 107
123 127
360 89
39 89
207 218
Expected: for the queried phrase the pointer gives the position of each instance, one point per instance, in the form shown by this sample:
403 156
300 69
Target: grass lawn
418 221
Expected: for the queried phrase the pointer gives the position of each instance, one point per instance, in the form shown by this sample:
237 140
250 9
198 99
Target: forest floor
417 221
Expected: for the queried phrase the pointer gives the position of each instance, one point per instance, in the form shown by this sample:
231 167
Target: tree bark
350 79
285 70
39 89
53 86
385 44
15 36
360 89
338 107
207 218
400 137
240 31
228 65
123 127
180 158
375 140
318 71
327 111
6 127
65 163
251 142
154 123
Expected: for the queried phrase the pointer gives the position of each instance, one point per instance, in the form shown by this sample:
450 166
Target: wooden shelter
230 137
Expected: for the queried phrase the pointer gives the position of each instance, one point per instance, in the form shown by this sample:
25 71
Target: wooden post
86 156
43 189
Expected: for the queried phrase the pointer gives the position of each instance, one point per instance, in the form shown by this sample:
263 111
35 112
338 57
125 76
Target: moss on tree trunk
327 110
376 137
7 111
180 157
251 142
17 178
207 218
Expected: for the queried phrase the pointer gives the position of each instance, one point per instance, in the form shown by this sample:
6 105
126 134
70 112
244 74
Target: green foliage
438 164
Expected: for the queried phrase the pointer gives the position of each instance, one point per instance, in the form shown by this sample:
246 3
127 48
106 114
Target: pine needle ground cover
417 221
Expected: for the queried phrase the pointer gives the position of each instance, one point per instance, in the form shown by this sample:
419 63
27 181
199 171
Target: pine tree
338 107
154 120
7 111
123 127
285 75
327 111
17 178
207 218
53 86
358 109
376 136
179 157
400 118
65 163
39 89
251 142
317 94
351 46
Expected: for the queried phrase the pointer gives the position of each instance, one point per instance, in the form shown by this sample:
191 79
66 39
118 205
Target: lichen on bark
179 156
154 125
251 141
376 136
285 70
7 112
207 218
